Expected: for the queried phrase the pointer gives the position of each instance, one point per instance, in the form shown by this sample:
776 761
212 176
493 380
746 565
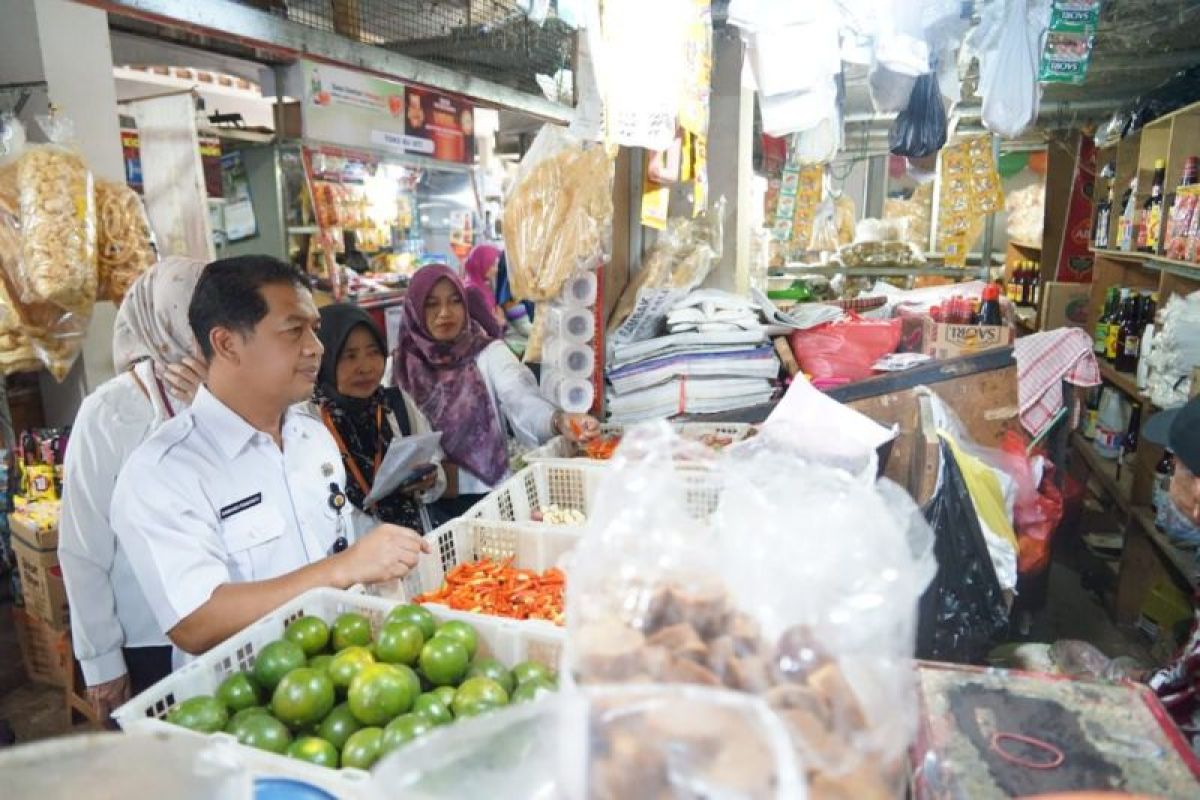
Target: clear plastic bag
124 240
1009 57
920 129
706 577
558 215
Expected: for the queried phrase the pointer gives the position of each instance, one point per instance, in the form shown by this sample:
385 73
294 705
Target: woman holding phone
364 418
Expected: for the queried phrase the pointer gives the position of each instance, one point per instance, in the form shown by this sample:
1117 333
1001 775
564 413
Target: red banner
1074 255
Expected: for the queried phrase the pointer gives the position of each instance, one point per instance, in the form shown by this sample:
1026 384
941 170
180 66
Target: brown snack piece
839 697
682 640
746 634
819 742
683 670
743 765
705 607
721 653
799 653
123 238
749 674
609 650
630 770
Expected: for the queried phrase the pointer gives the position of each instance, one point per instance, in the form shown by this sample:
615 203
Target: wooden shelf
1184 269
1025 245
1124 381
1186 565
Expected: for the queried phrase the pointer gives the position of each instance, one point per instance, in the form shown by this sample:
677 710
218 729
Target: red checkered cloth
1044 361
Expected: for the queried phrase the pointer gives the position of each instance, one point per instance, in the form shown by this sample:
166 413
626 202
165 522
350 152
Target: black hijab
356 418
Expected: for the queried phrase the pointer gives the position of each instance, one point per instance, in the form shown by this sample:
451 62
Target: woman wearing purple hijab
469 384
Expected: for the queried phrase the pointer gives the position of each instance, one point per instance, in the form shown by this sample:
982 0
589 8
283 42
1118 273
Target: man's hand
184 378
578 428
107 697
387 552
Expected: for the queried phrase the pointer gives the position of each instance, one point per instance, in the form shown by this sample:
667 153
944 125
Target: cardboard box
1065 305
38 537
942 340
1165 613
45 651
42 585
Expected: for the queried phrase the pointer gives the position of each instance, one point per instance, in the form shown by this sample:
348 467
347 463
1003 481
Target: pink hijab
445 382
480 261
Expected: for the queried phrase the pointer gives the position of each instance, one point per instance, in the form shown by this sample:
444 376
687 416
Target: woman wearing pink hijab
471 387
481 267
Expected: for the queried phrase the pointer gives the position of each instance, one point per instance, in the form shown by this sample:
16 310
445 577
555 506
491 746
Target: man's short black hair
228 295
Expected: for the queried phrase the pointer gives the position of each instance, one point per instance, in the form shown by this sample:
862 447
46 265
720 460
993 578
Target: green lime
532 670
239 691
347 664
338 726
399 643
363 748
444 660
321 662
461 632
311 633
378 694
431 707
235 722
351 630
264 732
445 694
404 729
303 697
314 751
205 714
414 682
417 615
276 660
491 668
477 695
531 689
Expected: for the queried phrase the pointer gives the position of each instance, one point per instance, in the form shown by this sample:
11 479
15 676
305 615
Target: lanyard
162 393
351 464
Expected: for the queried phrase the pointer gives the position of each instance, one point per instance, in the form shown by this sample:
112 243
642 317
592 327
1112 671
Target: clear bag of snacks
800 588
124 239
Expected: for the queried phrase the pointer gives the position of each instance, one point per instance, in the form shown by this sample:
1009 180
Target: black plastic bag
920 129
962 614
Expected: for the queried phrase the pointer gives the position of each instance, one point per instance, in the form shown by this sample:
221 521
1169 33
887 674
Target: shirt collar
228 429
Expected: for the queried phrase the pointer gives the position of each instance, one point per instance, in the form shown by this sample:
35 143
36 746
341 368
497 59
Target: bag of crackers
791 581
48 247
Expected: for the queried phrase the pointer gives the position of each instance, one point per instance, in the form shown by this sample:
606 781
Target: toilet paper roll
575 395
573 324
580 290
571 359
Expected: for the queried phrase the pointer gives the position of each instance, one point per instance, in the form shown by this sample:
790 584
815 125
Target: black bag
920 129
962 613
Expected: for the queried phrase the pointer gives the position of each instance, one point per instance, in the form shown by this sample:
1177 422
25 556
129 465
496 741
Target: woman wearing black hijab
363 417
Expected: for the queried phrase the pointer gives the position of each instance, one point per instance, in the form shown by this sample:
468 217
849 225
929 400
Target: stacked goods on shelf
1175 352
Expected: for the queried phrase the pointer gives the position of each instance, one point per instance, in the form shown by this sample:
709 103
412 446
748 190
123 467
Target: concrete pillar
67 46
730 158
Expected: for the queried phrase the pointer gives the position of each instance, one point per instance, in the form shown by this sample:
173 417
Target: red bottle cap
991 292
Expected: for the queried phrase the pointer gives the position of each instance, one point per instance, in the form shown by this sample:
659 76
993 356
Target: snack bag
126 244
712 577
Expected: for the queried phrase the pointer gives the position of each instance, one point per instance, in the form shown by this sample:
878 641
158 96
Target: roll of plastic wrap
580 290
573 324
571 359
574 395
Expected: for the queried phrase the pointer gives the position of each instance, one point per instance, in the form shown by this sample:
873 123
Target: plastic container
505 640
560 449
1111 424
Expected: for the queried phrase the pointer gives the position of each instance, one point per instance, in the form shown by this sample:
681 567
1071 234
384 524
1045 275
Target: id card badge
338 503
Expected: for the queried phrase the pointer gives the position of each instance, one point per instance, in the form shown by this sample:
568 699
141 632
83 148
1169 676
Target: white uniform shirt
208 500
108 609
515 398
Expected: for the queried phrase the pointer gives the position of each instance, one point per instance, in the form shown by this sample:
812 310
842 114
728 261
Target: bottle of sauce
1114 328
1104 208
1153 210
1126 226
1129 343
1164 470
989 309
1100 337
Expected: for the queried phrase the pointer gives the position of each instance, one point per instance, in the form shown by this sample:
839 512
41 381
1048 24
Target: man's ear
226 345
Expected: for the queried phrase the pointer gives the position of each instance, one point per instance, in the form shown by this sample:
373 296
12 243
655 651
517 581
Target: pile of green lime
337 696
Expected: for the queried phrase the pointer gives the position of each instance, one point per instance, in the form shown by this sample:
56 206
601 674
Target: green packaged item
1066 57
1075 16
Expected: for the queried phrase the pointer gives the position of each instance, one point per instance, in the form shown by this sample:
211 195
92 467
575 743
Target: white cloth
108 609
208 500
516 400
152 321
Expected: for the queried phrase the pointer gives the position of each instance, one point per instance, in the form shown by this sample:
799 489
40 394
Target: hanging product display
970 189
1068 49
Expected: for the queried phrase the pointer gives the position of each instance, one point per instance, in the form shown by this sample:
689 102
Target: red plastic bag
1038 509
846 350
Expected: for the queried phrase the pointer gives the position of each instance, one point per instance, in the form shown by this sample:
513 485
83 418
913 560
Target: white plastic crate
498 638
530 546
573 484
559 449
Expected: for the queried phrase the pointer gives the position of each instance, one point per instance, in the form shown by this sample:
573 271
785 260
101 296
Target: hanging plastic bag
845 351
920 129
1008 80
963 613
125 242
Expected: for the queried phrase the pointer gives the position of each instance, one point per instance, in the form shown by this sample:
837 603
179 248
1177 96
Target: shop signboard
354 109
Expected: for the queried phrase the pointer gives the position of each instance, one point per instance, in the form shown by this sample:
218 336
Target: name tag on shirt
241 505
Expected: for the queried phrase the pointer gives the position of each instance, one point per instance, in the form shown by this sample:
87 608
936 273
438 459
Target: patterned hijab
152 321
445 382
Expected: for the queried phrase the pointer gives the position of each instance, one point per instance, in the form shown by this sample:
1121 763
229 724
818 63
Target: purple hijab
444 381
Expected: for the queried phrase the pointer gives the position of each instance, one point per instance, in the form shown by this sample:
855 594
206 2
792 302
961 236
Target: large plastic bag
1009 44
558 215
606 742
1038 507
920 129
711 577
845 351
963 613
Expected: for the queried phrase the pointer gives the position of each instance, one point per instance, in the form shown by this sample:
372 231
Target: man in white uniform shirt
235 506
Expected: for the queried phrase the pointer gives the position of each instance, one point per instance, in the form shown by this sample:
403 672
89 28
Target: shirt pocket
250 537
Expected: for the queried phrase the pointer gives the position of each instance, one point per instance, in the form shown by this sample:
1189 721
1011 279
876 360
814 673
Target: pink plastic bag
846 350
1037 510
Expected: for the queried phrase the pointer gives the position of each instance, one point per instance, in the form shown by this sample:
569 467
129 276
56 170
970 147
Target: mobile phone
416 476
